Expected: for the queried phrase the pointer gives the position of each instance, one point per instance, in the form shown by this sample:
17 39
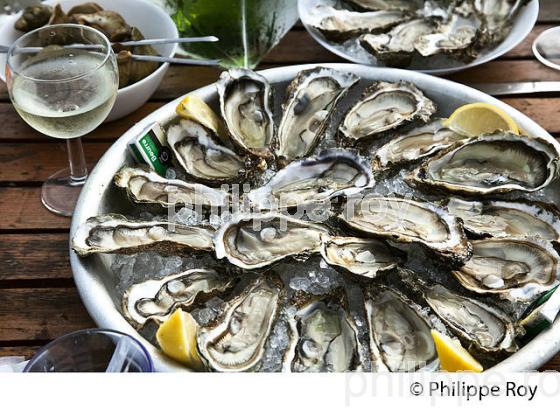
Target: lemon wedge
177 338
480 118
194 108
452 356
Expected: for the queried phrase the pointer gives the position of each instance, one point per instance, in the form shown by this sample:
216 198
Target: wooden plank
25 351
38 161
544 111
507 70
22 209
524 49
34 256
14 128
553 364
41 314
549 11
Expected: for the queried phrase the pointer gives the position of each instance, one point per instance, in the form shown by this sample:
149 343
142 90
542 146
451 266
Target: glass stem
77 161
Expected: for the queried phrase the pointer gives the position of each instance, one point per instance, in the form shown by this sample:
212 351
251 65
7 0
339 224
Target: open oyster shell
490 164
396 47
323 337
417 144
252 241
200 157
385 106
246 106
147 187
514 269
311 100
503 219
313 180
340 25
406 220
155 300
235 341
112 233
400 338
362 257
483 327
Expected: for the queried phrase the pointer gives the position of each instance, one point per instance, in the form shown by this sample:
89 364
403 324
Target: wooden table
38 298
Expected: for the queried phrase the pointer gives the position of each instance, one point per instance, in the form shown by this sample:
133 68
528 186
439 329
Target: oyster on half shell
396 47
310 102
340 25
419 143
406 220
252 241
514 269
147 187
246 106
323 337
313 180
385 106
112 233
400 338
363 257
156 299
490 164
235 341
503 219
484 327
200 157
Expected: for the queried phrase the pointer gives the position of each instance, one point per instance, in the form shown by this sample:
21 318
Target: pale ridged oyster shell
339 25
311 100
514 269
200 157
147 187
490 164
246 106
503 219
363 257
313 181
112 233
252 241
419 143
385 106
400 335
235 341
155 300
409 221
373 5
323 337
483 327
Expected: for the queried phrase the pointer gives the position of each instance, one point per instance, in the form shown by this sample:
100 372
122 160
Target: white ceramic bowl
436 65
152 21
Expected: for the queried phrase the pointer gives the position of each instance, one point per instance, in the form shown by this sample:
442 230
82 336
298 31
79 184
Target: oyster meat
147 187
490 164
235 341
252 241
455 36
112 233
195 150
503 219
406 220
400 336
340 25
396 47
311 99
362 257
514 269
313 180
323 337
484 327
419 143
386 106
246 106
155 300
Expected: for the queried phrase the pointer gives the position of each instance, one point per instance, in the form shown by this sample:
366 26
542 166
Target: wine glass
63 80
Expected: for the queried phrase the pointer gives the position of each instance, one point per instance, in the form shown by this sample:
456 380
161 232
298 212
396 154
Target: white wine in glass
63 81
